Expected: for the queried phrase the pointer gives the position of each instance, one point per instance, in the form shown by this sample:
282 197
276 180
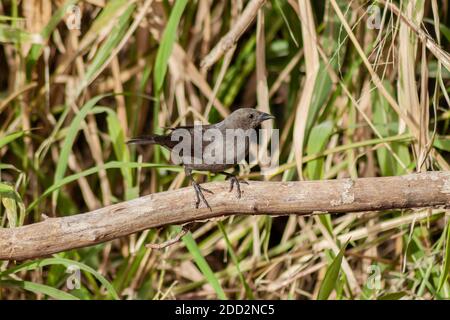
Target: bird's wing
190 129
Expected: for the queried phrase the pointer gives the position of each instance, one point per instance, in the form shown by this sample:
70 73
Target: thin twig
165 244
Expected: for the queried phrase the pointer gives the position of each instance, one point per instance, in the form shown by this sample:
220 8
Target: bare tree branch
430 189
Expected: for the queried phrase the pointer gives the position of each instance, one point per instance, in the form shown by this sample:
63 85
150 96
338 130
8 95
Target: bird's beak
265 116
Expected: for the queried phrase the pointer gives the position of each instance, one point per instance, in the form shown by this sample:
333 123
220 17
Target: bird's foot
200 196
234 180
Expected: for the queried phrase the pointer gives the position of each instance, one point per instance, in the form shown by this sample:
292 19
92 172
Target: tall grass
357 91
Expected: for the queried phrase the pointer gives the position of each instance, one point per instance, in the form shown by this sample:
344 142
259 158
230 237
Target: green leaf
106 16
167 41
325 219
10 138
16 35
93 170
317 142
279 6
5 166
8 18
11 200
385 120
72 133
36 49
5 188
235 260
392 296
331 276
38 289
445 271
445 31
32 265
322 90
442 143
11 211
203 265
122 153
104 52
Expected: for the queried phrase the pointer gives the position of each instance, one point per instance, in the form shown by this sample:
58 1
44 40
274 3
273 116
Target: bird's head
246 118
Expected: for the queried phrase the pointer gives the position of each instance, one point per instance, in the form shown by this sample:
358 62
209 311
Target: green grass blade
107 47
38 289
32 265
10 138
279 7
235 260
106 16
4 166
13 203
446 269
36 49
168 38
392 296
331 276
203 265
72 133
121 151
93 170
322 90
16 35
317 142
442 143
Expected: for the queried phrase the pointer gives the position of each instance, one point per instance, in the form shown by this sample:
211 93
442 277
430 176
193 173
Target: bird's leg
198 190
234 180
199 194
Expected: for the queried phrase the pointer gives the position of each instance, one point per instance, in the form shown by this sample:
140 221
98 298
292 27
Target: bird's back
208 155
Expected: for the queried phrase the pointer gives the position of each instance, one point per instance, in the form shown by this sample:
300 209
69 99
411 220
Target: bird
242 121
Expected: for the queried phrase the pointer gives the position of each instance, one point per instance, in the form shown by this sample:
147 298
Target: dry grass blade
413 126
229 40
140 16
408 96
312 69
440 54
262 91
196 77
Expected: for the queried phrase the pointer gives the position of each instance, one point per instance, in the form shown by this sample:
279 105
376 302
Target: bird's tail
153 139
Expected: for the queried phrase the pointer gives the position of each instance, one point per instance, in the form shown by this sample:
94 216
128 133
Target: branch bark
429 189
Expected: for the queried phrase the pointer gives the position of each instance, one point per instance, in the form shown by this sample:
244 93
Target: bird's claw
204 189
234 180
200 196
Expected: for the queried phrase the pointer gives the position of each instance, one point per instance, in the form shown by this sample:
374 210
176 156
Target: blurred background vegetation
358 88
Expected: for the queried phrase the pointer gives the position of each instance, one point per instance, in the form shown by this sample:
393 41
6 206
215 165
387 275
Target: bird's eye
250 116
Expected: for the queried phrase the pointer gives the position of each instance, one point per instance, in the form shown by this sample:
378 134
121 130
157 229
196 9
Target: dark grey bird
241 121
